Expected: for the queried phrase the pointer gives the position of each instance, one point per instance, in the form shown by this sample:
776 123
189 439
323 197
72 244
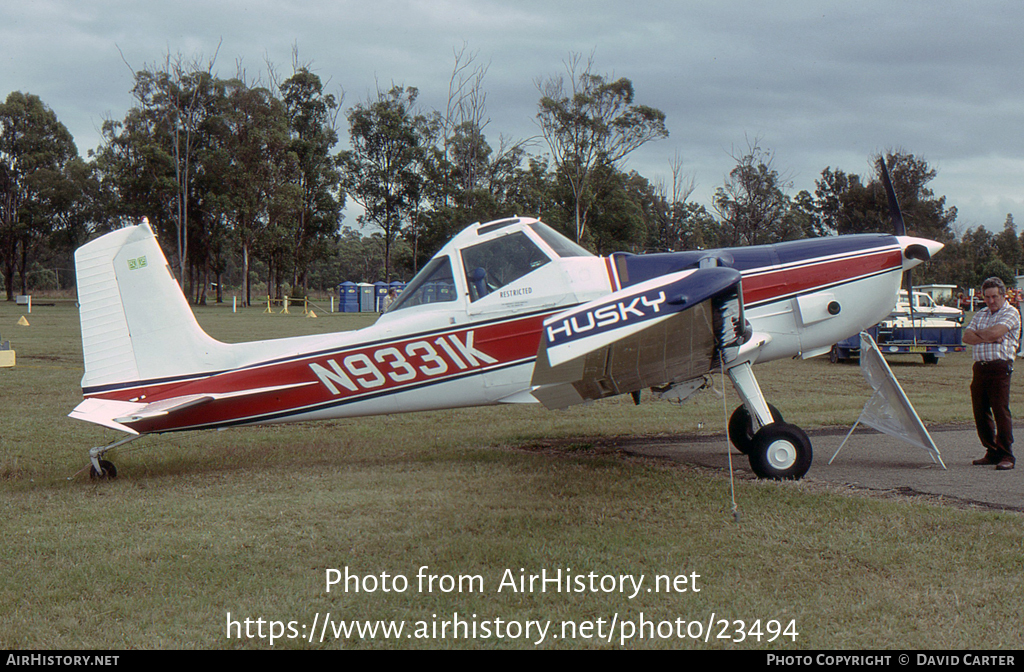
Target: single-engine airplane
507 312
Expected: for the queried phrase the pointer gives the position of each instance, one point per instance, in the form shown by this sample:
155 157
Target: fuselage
467 329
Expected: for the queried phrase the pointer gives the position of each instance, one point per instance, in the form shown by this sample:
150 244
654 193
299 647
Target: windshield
496 263
562 246
434 284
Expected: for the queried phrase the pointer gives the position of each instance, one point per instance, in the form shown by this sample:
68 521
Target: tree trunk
246 293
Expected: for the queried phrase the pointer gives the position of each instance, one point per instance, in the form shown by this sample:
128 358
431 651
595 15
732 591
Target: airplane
507 312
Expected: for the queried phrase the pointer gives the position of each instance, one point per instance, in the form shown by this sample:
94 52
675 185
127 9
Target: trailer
929 337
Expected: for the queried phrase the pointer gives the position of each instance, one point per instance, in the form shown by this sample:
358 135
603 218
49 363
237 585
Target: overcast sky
818 83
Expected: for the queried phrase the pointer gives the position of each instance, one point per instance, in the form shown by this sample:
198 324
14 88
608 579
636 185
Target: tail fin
136 323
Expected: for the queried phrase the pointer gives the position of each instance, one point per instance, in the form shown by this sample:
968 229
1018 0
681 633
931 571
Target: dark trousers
990 395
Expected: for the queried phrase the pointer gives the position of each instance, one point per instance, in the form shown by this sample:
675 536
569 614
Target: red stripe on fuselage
346 374
764 285
613 274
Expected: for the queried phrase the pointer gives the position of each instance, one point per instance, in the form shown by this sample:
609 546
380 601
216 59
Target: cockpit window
434 284
498 262
562 246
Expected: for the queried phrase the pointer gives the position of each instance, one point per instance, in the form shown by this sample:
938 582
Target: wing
666 330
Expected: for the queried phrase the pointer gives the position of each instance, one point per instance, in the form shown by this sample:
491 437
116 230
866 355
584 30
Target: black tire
108 471
781 452
741 427
833 355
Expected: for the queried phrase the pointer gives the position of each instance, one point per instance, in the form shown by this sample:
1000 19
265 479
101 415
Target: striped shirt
1006 348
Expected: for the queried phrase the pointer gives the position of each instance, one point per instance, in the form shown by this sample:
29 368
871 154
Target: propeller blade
901 230
894 205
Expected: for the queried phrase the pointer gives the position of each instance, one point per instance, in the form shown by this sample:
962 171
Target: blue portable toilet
380 290
348 297
365 297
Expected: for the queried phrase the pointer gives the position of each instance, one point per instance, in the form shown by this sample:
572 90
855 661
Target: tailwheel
780 451
106 472
741 427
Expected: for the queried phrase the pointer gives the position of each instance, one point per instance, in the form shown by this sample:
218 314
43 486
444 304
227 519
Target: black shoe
982 461
1005 465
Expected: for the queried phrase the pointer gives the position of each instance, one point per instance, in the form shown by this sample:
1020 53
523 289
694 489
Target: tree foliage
752 204
244 182
382 172
312 116
590 125
846 205
37 171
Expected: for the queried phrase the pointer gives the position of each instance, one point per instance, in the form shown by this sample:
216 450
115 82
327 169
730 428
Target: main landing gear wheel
741 427
108 471
780 451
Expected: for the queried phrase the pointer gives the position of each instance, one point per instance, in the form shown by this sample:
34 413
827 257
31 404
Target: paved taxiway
878 462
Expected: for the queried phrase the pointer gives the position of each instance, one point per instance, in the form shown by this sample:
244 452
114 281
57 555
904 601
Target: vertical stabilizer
136 324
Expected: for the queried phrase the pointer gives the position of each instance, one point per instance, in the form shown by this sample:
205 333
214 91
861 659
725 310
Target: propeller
912 251
894 206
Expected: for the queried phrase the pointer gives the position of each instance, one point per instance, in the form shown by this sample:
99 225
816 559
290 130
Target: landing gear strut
742 430
776 449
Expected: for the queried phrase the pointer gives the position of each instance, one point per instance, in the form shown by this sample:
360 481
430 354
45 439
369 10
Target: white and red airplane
507 312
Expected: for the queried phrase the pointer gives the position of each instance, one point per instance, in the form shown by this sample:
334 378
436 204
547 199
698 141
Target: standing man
994 332
389 299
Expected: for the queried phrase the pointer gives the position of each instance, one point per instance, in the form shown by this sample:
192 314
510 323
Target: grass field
248 522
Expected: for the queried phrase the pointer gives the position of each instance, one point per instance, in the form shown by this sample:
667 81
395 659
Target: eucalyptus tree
925 214
312 117
459 151
625 204
382 172
258 172
847 204
136 170
176 103
679 224
589 121
35 152
752 204
466 178
77 207
1008 245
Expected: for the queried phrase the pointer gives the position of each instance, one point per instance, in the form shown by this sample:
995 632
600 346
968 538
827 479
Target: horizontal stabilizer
665 330
164 407
121 414
103 411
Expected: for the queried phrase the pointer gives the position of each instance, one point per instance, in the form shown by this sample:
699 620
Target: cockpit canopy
487 258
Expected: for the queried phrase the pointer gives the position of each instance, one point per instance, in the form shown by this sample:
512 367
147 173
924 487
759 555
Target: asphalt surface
876 462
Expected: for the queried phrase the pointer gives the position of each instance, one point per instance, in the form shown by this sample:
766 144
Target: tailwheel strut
104 469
